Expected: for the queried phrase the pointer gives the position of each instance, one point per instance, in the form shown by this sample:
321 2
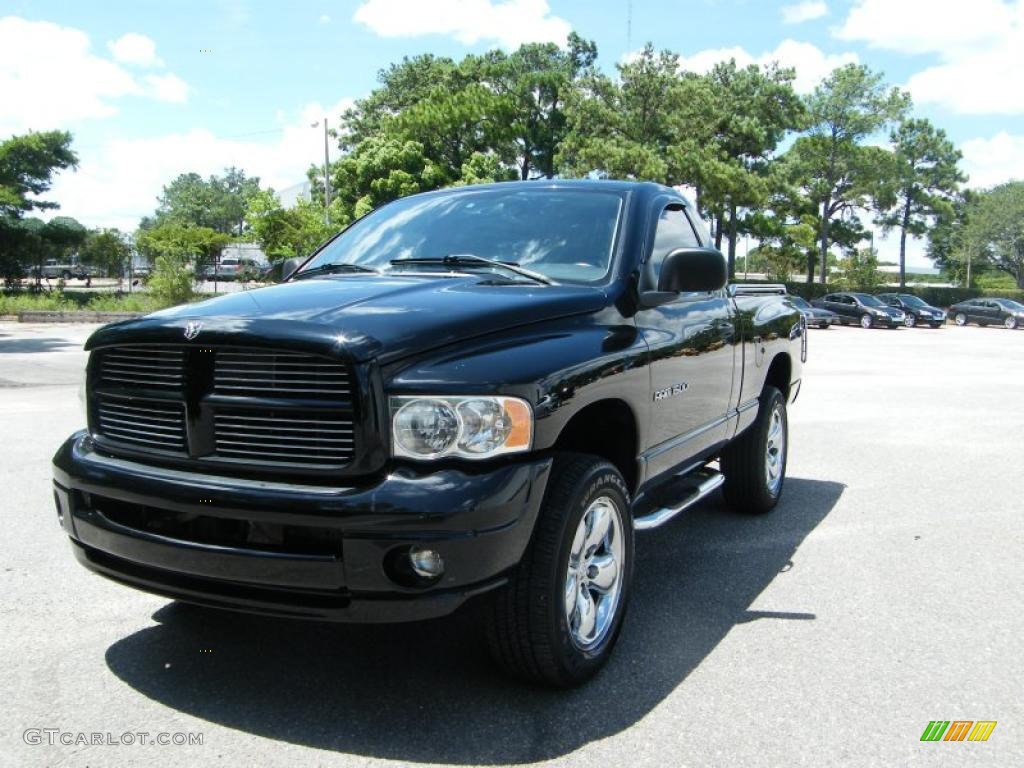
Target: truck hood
387 317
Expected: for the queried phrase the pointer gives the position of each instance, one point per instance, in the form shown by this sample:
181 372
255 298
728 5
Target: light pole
327 177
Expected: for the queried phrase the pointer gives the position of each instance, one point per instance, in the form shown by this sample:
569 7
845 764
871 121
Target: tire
823 326
909 320
960 318
66 274
750 486
1010 323
866 321
530 631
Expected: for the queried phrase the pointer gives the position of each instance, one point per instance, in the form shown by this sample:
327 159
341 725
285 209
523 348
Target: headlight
474 427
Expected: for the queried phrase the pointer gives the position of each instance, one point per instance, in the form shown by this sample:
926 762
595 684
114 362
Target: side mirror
687 270
290 267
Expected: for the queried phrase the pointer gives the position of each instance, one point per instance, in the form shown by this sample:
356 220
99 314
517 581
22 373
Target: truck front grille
229 405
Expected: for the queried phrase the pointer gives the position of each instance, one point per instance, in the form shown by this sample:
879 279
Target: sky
153 89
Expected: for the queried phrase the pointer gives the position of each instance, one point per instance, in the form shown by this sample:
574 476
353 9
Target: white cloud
993 161
510 23
167 87
325 19
812 64
50 78
979 47
133 48
118 182
806 11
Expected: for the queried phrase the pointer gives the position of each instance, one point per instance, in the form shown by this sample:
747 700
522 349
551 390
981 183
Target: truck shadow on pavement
43 344
427 693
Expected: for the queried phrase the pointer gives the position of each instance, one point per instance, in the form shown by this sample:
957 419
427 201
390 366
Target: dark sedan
862 308
1005 312
915 310
820 318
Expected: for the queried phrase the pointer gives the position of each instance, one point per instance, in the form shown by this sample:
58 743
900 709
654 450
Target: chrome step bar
658 517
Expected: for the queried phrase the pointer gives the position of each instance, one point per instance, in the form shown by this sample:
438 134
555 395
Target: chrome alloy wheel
593 580
775 451
910 320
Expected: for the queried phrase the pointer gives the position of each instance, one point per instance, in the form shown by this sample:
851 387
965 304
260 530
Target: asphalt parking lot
883 593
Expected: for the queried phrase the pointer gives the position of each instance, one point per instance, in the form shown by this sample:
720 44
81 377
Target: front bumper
297 550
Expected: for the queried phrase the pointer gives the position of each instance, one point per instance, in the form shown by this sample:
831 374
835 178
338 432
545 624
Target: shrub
171 282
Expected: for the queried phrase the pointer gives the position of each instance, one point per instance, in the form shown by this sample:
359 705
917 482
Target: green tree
182 244
649 124
27 166
995 229
921 184
753 110
858 270
831 162
286 232
402 86
535 83
218 203
107 249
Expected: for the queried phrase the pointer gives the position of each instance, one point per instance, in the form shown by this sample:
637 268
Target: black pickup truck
475 395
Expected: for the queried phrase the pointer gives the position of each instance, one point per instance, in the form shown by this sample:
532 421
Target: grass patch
11 303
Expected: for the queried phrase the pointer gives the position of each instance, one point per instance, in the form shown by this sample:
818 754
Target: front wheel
866 321
960 318
1010 323
909 320
558 618
754 464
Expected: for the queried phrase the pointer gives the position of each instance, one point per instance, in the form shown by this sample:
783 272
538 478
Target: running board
661 516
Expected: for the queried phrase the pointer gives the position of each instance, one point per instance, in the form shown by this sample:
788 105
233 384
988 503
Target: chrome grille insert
259 373
143 367
290 437
156 425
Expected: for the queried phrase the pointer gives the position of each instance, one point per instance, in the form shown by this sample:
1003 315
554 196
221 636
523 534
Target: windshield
1009 304
801 303
912 301
867 300
566 235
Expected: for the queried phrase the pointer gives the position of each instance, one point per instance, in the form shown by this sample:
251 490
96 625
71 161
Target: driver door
692 342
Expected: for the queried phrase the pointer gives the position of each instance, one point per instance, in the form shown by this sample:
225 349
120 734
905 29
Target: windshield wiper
468 260
327 269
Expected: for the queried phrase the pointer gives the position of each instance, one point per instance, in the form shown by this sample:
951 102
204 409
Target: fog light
426 563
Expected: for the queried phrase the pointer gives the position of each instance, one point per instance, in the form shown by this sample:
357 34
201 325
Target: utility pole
327 177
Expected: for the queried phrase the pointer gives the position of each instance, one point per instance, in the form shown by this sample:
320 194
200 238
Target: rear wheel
909 320
866 321
823 326
558 618
754 464
960 318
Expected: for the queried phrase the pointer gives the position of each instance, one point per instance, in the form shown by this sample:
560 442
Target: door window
673 231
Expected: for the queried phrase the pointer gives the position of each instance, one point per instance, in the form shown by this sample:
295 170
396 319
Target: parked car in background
231 268
53 268
820 318
862 308
985 311
915 310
